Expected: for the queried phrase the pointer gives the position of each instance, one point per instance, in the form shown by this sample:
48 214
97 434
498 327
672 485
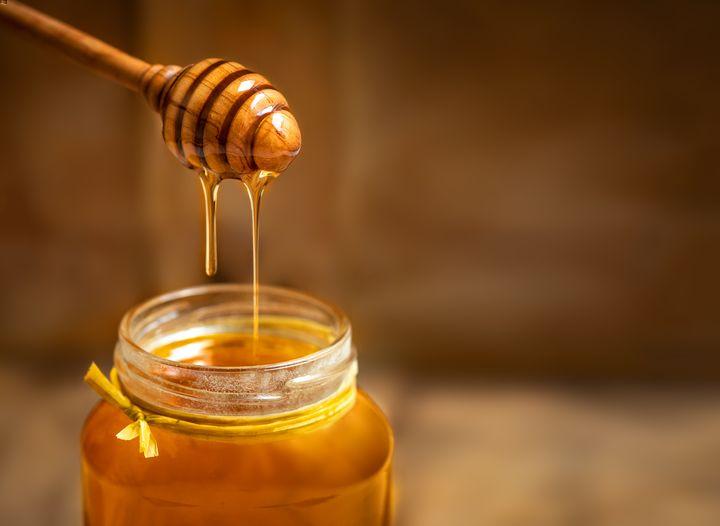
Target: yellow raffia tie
211 427
111 392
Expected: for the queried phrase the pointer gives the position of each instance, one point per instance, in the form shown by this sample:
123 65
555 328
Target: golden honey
234 350
194 353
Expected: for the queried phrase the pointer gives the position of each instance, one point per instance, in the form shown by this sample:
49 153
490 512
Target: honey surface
234 349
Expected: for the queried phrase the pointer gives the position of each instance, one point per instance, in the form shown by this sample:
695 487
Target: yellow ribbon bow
111 391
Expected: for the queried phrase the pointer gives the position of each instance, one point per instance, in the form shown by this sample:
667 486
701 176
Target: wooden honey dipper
216 115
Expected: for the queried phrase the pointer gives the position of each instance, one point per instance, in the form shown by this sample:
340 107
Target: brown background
519 186
523 190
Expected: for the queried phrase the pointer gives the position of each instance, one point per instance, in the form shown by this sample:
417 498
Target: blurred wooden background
510 188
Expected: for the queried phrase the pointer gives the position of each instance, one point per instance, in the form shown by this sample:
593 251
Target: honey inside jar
236 349
331 466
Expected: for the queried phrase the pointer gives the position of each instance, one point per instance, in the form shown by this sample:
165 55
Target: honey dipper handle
81 47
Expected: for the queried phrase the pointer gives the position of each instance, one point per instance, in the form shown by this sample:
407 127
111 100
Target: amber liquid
330 474
234 349
255 184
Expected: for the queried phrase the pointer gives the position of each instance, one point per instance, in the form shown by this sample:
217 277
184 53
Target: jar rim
125 331
167 386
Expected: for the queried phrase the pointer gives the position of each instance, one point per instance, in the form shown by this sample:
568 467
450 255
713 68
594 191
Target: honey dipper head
221 116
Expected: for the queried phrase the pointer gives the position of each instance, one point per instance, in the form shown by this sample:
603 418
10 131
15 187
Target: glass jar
277 442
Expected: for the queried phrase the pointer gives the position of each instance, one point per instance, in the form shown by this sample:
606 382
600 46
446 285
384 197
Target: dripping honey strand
210 183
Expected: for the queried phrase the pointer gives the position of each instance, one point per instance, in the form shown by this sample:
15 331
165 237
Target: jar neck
275 396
